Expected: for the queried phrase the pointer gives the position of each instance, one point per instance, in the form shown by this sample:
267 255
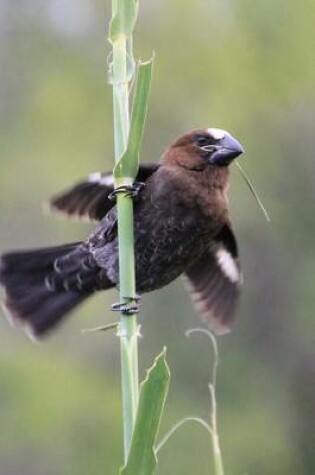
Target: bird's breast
174 222
171 232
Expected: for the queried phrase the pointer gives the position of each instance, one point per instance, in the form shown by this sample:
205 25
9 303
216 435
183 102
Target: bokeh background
245 66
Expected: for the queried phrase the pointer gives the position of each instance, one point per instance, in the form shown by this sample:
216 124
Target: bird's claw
128 190
135 189
127 308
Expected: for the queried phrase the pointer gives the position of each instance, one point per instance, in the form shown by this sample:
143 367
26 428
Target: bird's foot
128 190
135 189
131 307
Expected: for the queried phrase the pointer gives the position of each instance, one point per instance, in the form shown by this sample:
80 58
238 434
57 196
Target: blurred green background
245 66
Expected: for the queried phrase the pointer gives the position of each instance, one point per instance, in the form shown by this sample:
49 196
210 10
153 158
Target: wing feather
89 200
214 282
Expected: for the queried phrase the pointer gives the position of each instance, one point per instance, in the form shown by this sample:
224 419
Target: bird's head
202 147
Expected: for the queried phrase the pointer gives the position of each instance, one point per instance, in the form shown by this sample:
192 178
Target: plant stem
217 455
128 324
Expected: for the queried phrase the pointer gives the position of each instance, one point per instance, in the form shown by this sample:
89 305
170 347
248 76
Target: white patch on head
228 265
105 180
217 134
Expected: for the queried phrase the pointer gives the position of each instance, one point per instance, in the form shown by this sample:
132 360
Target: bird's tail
43 285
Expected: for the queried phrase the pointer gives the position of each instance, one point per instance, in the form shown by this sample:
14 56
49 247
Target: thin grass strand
253 191
183 421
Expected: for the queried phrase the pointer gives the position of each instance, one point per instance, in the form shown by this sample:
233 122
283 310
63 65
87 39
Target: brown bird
181 226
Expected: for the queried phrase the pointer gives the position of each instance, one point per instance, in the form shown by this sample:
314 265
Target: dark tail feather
30 300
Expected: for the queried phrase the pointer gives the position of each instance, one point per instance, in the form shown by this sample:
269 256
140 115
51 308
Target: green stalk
128 139
128 324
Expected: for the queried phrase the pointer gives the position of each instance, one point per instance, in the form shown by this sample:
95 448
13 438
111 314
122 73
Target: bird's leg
131 307
132 190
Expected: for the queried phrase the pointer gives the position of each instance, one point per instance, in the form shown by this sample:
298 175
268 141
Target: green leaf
142 458
123 19
127 166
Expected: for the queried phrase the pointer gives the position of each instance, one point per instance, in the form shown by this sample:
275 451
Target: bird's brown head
203 147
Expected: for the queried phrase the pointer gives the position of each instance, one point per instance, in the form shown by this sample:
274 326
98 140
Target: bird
181 228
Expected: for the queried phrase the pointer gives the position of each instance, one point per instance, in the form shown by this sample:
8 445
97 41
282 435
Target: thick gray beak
226 150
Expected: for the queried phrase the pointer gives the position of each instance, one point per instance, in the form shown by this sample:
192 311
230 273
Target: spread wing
89 200
214 282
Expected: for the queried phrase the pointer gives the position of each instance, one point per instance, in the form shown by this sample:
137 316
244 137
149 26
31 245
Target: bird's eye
202 140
